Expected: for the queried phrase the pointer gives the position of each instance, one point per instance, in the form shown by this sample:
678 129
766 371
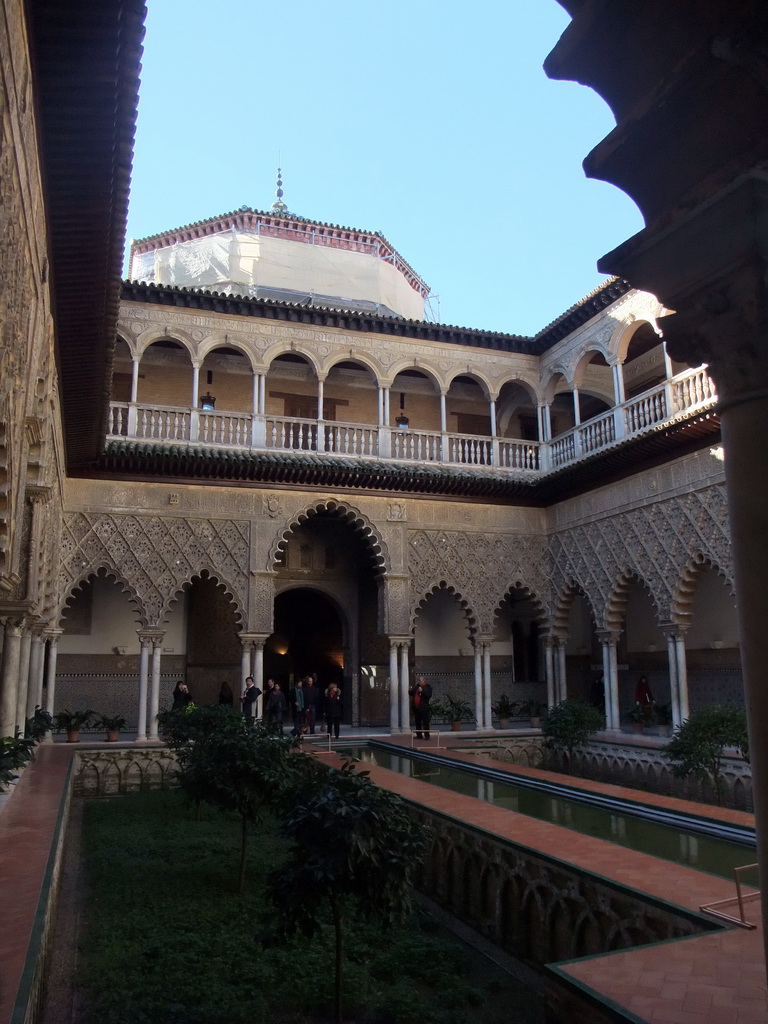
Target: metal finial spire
279 206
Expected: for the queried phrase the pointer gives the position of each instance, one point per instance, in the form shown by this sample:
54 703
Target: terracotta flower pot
456 726
112 735
73 736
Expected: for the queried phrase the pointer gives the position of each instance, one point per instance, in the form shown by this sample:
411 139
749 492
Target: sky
430 122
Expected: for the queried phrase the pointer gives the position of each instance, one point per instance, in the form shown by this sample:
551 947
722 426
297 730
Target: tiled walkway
717 978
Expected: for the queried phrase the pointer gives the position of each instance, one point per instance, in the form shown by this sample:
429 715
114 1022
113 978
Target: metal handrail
740 899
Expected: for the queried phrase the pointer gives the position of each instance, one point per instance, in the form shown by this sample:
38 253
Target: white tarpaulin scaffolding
250 263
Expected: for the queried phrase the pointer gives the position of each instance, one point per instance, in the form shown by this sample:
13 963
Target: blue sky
431 122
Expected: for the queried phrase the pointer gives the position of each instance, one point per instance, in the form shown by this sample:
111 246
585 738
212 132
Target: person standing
421 694
312 697
249 699
267 695
181 696
333 709
299 708
226 697
276 706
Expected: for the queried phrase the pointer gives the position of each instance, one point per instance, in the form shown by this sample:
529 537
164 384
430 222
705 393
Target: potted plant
663 716
38 725
504 709
113 725
72 722
14 753
458 711
639 716
534 709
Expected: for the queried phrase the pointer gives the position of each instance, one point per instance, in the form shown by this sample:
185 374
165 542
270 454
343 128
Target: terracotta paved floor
717 978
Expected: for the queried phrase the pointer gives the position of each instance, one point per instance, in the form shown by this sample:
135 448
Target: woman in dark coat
276 706
181 696
333 709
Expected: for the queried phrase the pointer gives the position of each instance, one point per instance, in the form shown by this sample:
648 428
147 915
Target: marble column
23 688
562 679
154 691
141 727
674 689
9 677
610 679
52 636
549 670
405 711
478 667
394 689
34 691
487 716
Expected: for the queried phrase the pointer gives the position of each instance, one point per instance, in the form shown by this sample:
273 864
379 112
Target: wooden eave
85 59
169 463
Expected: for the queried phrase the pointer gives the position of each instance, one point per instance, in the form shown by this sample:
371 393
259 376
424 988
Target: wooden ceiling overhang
85 58
144 461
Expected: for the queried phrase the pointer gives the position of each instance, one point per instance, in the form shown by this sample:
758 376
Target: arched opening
326 570
644 365
516 414
165 375
226 382
712 643
98 652
641 649
467 410
442 648
122 372
561 411
595 388
584 669
516 662
309 637
414 403
351 393
290 404
213 651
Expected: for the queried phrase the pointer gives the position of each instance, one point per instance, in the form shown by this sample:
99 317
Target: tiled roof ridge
274 216
276 304
587 307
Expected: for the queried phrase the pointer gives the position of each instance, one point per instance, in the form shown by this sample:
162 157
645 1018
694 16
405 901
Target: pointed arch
681 605
563 603
222 583
359 523
616 602
443 585
105 571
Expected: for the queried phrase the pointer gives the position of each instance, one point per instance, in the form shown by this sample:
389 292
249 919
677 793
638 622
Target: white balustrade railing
519 454
155 423
417 445
685 394
232 429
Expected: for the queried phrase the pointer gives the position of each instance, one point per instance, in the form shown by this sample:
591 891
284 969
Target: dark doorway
308 637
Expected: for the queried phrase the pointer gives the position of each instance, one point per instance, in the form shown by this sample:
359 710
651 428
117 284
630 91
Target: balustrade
686 394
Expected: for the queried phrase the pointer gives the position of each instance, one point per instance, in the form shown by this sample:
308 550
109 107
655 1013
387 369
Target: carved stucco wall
657 527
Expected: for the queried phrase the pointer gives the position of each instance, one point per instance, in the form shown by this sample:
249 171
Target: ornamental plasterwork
155 556
481 567
654 543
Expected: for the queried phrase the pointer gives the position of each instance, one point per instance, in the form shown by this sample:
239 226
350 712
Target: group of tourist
305 702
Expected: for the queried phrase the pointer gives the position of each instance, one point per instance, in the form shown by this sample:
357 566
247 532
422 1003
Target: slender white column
135 378
668 368
380 410
24 687
562 681
154 693
478 681
606 686
262 394
682 675
9 678
618 383
255 393
258 675
35 680
614 687
195 385
320 443
549 670
487 719
141 728
405 711
246 649
546 413
493 418
443 413
386 407
576 409
50 676
394 689
674 688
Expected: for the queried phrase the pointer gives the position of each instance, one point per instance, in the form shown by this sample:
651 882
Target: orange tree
356 850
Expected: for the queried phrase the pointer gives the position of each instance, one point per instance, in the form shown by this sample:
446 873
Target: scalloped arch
105 571
359 522
563 603
681 604
616 602
542 616
449 589
205 572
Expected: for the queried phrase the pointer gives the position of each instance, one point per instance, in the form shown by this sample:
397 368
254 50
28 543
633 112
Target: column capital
607 636
150 636
674 630
52 634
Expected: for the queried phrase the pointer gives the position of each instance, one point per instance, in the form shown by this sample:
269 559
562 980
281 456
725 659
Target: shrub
569 724
697 747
